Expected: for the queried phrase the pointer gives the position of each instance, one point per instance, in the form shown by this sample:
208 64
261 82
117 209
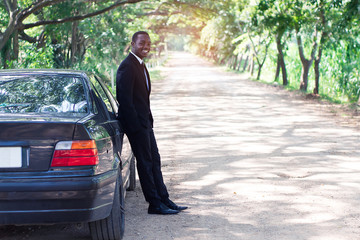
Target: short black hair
134 37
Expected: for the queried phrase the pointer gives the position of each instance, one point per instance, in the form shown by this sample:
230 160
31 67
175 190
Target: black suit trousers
144 147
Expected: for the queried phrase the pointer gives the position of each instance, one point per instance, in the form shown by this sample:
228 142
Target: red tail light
75 153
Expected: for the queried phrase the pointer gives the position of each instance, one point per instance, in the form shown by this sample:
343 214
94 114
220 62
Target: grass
294 87
155 74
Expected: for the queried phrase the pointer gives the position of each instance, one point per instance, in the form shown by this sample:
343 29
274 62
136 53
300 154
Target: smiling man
133 89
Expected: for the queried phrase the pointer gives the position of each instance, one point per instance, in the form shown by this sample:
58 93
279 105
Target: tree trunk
277 73
74 41
235 62
252 66
228 62
16 45
259 71
318 58
281 59
12 9
306 63
283 71
305 74
317 72
240 61
5 54
261 64
246 63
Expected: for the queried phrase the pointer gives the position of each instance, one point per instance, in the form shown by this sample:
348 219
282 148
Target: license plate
10 157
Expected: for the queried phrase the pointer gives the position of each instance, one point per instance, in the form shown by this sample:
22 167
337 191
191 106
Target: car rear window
56 94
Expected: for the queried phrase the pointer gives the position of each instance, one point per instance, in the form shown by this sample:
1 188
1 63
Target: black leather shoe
162 209
170 204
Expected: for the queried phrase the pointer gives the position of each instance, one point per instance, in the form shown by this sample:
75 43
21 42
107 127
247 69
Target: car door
122 145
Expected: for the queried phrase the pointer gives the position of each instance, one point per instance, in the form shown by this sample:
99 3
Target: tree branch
192 6
26 37
13 11
35 7
314 48
10 5
79 17
300 47
159 13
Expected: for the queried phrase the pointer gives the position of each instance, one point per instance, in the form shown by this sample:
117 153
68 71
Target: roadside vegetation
312 46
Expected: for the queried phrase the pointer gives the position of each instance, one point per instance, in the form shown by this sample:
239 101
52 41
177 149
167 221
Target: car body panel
56 200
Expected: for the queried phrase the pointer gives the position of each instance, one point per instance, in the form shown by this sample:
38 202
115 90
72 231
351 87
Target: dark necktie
146 76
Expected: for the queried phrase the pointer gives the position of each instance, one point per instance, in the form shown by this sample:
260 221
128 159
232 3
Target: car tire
112 227
132 176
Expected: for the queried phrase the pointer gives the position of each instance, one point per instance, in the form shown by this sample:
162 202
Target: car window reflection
42 94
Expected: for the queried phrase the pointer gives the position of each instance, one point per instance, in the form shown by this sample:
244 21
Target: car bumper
56 200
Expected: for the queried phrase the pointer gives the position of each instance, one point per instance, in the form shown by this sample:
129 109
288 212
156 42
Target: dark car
63 155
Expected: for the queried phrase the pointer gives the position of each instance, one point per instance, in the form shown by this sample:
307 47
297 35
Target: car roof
42 71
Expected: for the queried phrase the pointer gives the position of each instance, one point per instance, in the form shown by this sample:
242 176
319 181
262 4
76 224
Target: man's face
141 47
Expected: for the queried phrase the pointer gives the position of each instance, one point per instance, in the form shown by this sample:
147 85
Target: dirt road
250 161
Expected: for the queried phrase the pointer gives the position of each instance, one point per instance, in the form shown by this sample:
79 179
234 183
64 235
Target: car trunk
27 144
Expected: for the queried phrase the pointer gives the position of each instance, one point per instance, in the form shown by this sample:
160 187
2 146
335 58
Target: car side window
110 96
101 92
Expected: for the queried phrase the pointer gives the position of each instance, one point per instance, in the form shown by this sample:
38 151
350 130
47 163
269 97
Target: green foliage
34 57
339 74
3 17
106 42
176 42
155 75
343 64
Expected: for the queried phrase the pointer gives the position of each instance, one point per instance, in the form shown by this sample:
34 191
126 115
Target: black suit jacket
133 96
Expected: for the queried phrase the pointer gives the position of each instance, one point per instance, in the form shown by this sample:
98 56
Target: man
133 94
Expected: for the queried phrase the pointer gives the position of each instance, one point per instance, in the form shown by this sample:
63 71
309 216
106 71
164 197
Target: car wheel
132 177
112 227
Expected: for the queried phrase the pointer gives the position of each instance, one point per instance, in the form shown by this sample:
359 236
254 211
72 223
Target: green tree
277 19
18 13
